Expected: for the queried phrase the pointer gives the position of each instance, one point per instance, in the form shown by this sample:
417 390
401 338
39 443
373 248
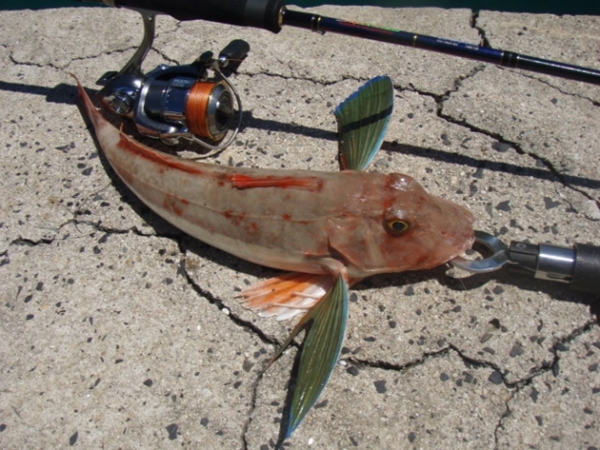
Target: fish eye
396 227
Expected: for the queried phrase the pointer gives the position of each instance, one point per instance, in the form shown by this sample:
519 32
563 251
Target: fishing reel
196 102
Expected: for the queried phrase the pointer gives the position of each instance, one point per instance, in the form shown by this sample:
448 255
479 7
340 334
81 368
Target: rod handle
579 266
586 271
266 14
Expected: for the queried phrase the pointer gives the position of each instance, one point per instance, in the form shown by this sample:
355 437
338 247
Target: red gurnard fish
330 230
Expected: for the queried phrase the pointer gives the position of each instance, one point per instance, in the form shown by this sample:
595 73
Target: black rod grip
586 272
265 14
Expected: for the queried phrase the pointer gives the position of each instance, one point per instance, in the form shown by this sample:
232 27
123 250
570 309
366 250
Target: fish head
408 230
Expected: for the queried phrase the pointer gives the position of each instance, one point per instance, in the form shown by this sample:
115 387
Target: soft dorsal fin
363 119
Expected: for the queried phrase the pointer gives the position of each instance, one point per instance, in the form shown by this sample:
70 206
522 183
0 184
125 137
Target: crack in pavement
557 346
516 387
318 82
182 270
480 30
553 86
499 375
253 404
567 181
213 300
245 325
507 413
401 368
65 67
486 43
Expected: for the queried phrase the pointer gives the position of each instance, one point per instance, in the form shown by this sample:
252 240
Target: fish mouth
470 241
467 237
460 243
459 234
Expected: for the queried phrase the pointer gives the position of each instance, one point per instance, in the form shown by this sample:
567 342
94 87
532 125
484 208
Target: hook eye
495 261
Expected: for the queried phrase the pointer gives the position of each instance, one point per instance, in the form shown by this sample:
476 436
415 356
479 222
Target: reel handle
233 55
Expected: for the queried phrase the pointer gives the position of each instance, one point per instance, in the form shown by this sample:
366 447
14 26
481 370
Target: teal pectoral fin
325 323
363 119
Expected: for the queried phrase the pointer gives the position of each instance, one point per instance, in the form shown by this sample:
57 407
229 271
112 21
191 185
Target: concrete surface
117 331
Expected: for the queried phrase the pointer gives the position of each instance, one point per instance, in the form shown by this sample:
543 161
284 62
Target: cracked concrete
118 331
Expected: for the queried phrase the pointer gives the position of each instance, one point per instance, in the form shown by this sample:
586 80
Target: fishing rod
273 14
197 102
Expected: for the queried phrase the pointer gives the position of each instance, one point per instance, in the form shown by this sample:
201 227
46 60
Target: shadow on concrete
67 94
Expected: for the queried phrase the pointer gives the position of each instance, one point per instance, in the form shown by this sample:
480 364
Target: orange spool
197 108
209 109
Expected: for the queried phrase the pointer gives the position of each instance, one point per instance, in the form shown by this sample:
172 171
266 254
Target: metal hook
492 263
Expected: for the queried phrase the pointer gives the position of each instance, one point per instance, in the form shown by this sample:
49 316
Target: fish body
330 230
301 221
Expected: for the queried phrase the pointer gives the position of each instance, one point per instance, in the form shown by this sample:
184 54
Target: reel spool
209 109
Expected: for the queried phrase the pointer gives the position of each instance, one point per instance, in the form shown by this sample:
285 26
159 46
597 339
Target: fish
328 230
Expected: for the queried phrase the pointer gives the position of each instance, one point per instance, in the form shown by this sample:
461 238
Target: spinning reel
172 102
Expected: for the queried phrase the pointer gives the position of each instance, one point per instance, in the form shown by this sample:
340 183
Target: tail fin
92 112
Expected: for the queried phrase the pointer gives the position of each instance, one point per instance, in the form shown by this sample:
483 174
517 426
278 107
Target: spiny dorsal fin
363 119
